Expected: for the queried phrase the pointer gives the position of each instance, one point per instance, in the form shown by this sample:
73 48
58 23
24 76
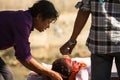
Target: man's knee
7 74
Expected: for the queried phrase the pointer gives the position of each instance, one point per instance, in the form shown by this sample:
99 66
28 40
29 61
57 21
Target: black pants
101 65
5 72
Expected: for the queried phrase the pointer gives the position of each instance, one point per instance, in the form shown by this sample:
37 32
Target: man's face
41 24
74 64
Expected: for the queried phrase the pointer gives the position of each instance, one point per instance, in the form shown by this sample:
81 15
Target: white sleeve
49 66
84 74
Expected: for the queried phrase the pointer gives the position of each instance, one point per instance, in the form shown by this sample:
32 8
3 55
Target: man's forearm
33 65
80 21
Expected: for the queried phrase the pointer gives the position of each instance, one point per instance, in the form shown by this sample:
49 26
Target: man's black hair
60 66
45 8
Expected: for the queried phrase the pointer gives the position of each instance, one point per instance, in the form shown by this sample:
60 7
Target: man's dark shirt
15 28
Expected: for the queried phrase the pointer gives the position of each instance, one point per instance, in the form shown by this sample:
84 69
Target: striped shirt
104 36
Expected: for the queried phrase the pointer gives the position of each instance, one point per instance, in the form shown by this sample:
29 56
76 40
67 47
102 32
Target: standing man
104 37
15 29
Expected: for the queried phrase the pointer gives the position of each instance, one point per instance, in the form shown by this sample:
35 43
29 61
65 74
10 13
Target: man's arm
33 65
80 21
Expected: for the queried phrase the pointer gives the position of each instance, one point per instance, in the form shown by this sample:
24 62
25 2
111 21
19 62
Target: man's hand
67 48
56 76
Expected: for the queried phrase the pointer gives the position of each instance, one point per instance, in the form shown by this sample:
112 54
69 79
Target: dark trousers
101 65
5 72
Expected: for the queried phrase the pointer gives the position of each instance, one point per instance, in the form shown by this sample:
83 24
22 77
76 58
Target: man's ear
38 17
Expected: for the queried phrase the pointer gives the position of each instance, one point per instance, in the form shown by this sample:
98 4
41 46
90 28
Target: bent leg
5 71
